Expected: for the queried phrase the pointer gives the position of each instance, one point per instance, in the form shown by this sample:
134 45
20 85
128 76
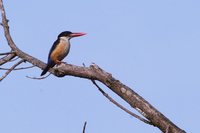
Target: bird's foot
60 62
63 62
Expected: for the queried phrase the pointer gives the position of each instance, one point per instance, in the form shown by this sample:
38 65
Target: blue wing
50 62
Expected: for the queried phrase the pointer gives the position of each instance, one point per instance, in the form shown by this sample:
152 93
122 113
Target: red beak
77 34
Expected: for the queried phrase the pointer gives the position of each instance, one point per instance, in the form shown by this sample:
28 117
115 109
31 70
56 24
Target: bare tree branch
9 70
119 105
39 78
6 53
84 127
21 68
6 59
95 73
14 59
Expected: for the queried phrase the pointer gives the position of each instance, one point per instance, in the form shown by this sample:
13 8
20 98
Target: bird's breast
61 50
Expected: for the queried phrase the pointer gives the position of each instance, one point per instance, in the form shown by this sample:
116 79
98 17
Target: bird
60 49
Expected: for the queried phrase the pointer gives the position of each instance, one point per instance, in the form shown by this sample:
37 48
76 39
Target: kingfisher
60 49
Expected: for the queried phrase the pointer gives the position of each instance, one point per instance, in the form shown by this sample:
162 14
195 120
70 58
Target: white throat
66 39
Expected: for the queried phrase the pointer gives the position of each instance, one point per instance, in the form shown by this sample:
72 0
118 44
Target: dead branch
120 106
39 78
6 53
14 59
6 59
9 70
84 127
21 68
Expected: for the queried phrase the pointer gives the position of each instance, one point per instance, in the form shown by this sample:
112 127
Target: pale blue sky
151 46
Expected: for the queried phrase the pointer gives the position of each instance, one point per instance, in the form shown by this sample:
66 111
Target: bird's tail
49 65
45 70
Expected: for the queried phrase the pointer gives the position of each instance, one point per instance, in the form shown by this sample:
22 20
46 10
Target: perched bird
60 49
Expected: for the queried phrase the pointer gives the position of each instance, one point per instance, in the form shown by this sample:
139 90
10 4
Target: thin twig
39 77
119 105
14 59
21 68
13 67
6 53
6 59
84 127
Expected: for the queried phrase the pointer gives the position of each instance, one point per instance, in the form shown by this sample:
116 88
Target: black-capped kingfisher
60 49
